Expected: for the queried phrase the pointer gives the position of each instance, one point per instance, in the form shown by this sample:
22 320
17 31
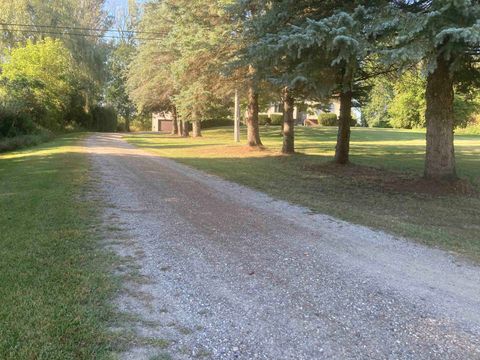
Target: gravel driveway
225 272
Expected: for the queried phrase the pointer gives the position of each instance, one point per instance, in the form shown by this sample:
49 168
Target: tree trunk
236 127
196 128
180 126
440 153
253 132
185 128
127 123
343 138
175 128
288 123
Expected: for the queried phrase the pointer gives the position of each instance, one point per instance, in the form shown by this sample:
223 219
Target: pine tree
444 37
326 52
150 82
181 69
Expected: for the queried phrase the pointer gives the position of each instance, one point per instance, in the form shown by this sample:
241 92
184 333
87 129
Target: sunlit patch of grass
446 221
54 282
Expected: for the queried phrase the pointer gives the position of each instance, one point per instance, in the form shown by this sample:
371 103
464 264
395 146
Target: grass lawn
447 221
54 283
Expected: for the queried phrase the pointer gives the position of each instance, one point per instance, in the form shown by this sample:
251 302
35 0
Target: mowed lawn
359 194
54 282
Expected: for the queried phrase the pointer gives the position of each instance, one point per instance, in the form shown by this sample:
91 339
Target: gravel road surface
226 272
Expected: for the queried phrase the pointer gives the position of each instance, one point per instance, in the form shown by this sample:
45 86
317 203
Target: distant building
313 109
162 121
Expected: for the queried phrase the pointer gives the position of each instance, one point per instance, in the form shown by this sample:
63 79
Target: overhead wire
25 28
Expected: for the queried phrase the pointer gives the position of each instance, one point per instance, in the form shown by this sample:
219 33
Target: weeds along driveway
225 272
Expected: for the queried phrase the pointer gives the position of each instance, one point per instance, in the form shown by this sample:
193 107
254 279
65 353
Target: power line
78 34
81 28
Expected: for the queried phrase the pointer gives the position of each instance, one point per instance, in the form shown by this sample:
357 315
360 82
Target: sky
113 6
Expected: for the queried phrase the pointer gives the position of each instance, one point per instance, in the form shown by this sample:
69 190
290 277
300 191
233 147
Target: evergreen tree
150 82
326 53
181 69
444 37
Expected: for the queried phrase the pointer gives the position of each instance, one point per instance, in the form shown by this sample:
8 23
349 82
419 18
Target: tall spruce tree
272 22
326 51
444 37
150 82
244 14
203 37
181 69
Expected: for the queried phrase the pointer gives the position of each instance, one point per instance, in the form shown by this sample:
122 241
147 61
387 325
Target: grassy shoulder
54 282
361 195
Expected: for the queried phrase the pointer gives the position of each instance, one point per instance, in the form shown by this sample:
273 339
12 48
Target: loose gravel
226 272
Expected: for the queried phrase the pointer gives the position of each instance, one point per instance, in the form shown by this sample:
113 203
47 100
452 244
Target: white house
314 109
311 113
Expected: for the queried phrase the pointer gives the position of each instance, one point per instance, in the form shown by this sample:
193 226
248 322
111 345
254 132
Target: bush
471 129
104 119
121 127
14 124
464 110
211 123
328 119
263 119
380 124
38 79
141 122
276 119
76 115
21 141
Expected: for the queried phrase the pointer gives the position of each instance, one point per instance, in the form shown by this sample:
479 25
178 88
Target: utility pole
236 131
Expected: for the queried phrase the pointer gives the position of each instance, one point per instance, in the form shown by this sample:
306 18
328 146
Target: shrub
472 129
76 115
38 78
263 119
104 119
121 127
328 119
380 124
141 122
276 119
21 141
211 123
14 124
464 110
407 107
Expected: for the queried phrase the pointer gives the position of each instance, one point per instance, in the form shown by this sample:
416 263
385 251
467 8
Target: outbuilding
162 121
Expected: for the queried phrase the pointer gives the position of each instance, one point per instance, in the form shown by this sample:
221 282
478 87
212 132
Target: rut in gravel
225 272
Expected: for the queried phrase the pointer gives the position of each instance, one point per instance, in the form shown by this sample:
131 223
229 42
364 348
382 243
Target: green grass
54 282
447 221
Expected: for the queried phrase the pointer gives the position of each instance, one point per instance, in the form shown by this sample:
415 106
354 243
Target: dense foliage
399 101
52 72
37 83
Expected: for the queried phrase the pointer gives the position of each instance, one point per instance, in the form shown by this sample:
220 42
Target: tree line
411 63
312 50
59 69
